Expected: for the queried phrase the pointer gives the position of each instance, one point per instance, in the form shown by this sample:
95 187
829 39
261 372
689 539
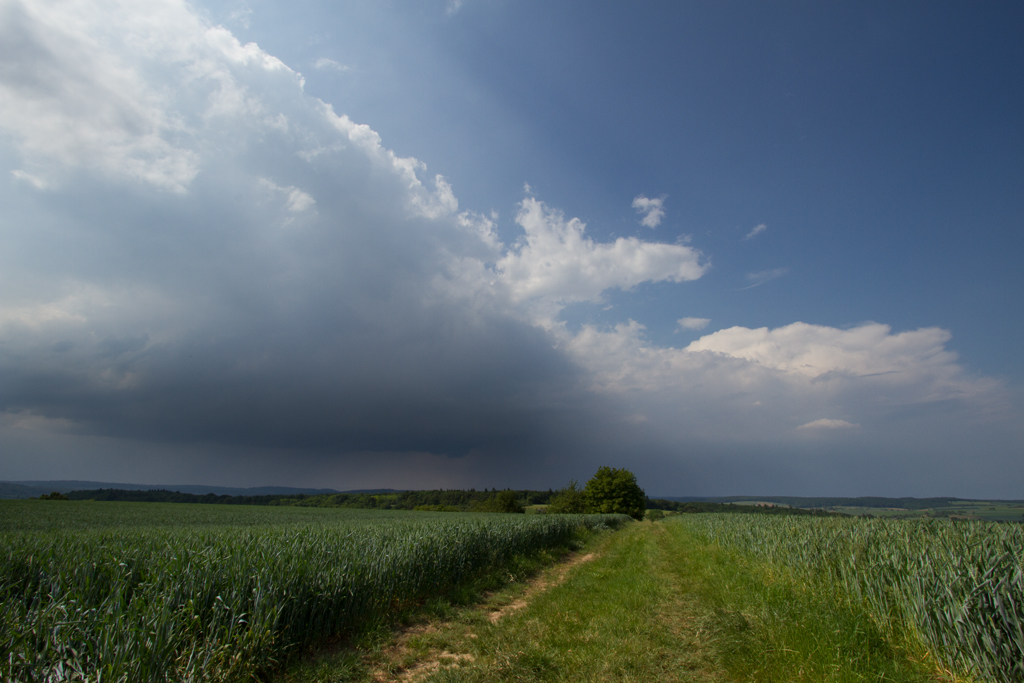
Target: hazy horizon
479 244
201 489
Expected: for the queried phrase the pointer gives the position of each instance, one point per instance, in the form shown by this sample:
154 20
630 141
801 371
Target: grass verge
763 624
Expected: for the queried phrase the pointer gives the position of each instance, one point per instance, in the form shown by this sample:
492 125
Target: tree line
610 491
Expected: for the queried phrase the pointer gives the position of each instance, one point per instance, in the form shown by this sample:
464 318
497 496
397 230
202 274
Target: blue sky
881 144
795 270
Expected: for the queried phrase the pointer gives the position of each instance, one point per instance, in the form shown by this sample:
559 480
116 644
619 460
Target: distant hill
860 502
9 490
34 489
826 503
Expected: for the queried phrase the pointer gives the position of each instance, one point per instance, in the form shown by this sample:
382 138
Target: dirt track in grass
647 603
424 666
609 613
546 580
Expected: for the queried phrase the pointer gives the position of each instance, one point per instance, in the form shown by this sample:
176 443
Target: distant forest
862 502
439 500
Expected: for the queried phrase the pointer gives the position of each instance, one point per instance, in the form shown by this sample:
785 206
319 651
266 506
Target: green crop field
899 508
95 591
990 511
173 592
955 587
710 598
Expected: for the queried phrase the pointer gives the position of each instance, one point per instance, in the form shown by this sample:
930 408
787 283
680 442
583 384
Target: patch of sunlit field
990 511
993 511
168 592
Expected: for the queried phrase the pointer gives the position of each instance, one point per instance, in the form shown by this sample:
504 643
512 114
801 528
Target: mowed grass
147 592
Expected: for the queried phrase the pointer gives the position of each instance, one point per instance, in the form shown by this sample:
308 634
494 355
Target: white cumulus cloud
556 262
652 209
819 352
765 382
101 86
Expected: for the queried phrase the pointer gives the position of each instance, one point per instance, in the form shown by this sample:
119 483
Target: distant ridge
907 503
34 489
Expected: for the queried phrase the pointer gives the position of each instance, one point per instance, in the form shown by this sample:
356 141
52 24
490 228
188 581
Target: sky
738 247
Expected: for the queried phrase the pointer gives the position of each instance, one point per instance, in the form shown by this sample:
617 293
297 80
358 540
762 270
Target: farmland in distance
896 508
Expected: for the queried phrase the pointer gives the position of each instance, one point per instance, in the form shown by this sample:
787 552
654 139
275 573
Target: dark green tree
614 490
503 501
568 501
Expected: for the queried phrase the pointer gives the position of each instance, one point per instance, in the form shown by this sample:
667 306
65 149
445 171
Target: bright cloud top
652 209
807 355
557 262
821 353
763 383
83 87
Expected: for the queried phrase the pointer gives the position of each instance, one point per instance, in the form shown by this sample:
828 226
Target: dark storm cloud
241 266
342 383
211 317
203 270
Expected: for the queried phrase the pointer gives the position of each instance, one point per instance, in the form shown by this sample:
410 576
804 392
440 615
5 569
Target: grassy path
647 603
617 617
612 613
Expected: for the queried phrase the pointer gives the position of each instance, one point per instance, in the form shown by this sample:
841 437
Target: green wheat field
95 591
